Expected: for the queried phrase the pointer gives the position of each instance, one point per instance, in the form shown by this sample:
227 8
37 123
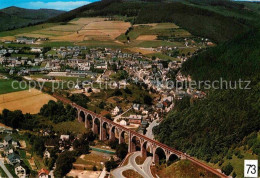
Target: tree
81 145
38 146
113 143
111 164
94 168
64 163
108 116
227 169
90 136
122 150
102 105
148 99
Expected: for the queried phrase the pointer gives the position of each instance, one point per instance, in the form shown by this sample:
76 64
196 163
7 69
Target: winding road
149 132
144 169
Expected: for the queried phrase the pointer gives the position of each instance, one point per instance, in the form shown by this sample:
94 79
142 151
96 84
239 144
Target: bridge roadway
154 142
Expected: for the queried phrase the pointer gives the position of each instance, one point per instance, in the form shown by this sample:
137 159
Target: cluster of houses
10 147
158 78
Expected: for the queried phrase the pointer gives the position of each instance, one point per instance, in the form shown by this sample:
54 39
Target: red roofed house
43 173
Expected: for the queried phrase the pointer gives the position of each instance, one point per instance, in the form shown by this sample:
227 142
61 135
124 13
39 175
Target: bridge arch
159 156
135 144
96 126
146 149
81 116
122 137
89 121
172 158
105 131
113 132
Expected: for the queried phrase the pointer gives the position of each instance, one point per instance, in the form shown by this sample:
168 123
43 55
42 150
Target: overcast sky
47 4
51 4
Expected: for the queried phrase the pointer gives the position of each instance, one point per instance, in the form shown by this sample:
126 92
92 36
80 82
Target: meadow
6 86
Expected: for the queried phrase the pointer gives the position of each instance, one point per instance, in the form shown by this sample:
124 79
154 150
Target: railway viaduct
108 130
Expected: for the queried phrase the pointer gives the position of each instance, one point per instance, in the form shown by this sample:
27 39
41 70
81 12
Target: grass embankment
131 174
88 161
182 168
139 160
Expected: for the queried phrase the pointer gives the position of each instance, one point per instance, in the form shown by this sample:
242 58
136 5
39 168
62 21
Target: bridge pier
95 128
112 136
130 143
79 117
121 137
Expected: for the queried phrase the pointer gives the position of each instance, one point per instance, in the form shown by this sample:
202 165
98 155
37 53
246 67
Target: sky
52 4
46 4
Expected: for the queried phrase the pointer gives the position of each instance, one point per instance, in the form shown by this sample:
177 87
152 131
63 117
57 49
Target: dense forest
213 128
15 17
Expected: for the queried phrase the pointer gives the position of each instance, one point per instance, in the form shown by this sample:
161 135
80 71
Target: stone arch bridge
107 130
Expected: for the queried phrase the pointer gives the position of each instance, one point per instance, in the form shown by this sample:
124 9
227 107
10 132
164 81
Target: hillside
218 129
14 17
193 17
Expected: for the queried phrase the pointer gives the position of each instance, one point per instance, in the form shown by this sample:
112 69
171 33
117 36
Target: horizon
65 5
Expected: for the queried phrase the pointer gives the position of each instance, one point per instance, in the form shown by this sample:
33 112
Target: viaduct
107 130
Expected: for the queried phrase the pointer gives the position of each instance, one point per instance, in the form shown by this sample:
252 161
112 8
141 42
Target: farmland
6 86
100 32
74 31
26 101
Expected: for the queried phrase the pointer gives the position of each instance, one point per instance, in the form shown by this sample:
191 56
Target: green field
158 43
26 29
23 55
6 86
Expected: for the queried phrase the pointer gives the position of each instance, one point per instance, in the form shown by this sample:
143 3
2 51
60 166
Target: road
144 169
9 175
147 166
120 115
103 173
149 132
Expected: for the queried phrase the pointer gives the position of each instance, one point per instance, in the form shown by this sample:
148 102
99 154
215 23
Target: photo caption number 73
251 168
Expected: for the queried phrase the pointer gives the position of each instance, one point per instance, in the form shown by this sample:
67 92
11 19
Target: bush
94 168
227 169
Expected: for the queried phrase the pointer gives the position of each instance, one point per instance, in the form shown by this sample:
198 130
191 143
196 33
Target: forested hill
224 127
15 17
196 18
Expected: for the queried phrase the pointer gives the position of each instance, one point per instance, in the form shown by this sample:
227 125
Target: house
20 170
43 173
46 154
136 119
159 106
36 50
136 107
123 122
116 111
13 159
8 140
7 130
8 150
64 137
15 143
